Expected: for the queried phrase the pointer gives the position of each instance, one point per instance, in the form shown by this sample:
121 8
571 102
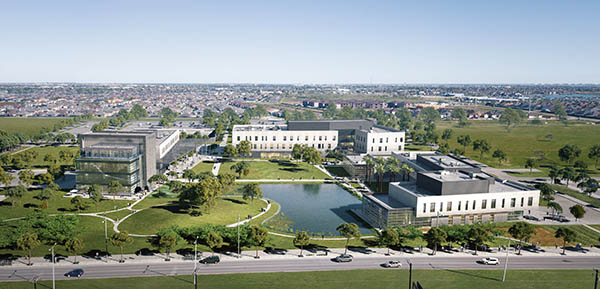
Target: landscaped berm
278 169
226 211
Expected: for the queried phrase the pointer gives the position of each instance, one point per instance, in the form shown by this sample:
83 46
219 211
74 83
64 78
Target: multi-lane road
291 265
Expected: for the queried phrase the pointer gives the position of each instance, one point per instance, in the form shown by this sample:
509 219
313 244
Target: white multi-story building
277 138
379 141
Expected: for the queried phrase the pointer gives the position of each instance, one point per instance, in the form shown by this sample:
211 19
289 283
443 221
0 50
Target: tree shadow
468 273
95 254
4 203
235 201
30 205
146 252
173 208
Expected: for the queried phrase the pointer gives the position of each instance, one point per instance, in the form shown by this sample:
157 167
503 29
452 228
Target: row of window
288 146
385 148
484 205
285 138
387 139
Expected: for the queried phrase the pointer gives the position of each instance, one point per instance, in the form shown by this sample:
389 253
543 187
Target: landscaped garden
277 169
53 152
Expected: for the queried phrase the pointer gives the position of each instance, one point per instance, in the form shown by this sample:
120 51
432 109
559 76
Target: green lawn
203 167
57 204
118 215
283 169
28 125
337 171
449 279
596 226
49 150
581 196
414 147
522 142
585 236
225 212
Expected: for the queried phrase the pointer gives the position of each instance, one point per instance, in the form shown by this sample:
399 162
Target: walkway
248 220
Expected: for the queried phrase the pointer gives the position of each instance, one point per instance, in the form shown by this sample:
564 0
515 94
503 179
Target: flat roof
445 161
250 127
391 202
497 187
448 176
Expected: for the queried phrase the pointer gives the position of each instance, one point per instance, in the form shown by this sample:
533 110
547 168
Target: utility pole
506 262
195 262
53 278
238 233
409 274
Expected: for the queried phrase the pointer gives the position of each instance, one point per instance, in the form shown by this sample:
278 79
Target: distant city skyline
272 42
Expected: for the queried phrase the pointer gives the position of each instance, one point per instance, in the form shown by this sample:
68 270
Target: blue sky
300 41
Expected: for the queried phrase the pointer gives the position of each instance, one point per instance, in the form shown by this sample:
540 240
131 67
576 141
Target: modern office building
279 140
446 190
129 157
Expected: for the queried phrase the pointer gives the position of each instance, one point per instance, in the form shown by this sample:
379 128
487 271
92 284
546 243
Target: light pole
238 233
53 279
409 273
106 238
195 262
506 262
596 279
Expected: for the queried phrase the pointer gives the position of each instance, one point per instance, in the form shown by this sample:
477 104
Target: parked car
559 218
392 264
343 258
211 260
532 218
490 261
74 273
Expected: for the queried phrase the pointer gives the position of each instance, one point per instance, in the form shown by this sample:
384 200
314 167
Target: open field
464 279
50 150
522 142
28 125
283 169
225 212
203 167
56 204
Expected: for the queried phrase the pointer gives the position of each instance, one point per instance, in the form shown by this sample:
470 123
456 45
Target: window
298 138
334 137
255 138
530 201
432 207
274 138
399 148
474 202
385 148
329 146
441 206
493 204
459 205
320 138
238 138
379 148
373 140
522 201
396 140
401 140
380 140
484 204
284 138
513 202
449 206
254 145
314 137
424 208
325 138
503 201
371 148
306 138
466 205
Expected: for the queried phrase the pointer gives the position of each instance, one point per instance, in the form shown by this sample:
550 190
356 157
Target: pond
315 208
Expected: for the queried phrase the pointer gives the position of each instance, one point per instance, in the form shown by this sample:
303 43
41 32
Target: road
292 265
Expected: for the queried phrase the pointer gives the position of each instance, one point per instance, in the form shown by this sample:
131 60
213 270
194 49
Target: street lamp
409 273
596 279
53 278
506 262
195 262
238 233
106 238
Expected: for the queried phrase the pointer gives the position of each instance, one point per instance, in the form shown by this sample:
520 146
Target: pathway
248 220
215 168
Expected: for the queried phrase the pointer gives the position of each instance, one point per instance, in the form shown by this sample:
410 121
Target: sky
310 42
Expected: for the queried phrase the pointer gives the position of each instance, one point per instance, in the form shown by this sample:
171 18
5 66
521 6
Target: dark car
211 260
74 273
532 218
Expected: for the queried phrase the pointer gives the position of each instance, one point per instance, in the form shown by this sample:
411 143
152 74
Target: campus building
361 136
129 157
446 190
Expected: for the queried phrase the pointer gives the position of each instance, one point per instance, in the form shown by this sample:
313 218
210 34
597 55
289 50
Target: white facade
264 138
377 141
461 204
168 143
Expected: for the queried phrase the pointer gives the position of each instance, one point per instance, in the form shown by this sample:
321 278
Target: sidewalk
282 254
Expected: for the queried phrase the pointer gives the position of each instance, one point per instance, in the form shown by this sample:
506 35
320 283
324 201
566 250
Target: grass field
575 194
28 125
56 204
225 212
337 171
463 279
585 236
50 150
524 141
278 169
203 167
118 215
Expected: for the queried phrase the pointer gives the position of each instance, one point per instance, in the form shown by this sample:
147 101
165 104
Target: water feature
315 208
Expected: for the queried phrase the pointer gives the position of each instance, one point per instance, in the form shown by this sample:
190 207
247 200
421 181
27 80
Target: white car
490 261
392 264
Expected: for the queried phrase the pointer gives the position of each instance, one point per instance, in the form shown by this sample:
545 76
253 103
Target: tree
204 193
578 211
556 207
546 191
73 245
500 155
5 177
120 240
447 134
554 173
311 155
244 148
258 236
566 234
227 180
389 237
510 117
589 186
190 175
241 168
26 177
302 239
429 114
464 140
252 191
482 146
560 112
380 169
94 192
444 148
530 164
46 193
214 241
567 173
158 179
594 154
580 165
477 236
79 203
27 242
349 231
114 187
406 170
434 238
16 193
298 151
521 231
46 178
568 153
230 151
